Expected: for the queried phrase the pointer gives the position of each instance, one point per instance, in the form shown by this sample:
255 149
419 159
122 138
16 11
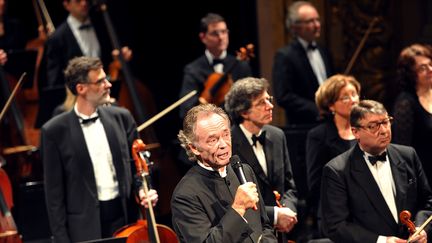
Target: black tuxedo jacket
70 184
195 75
279 173
353 207
323 143
61 47
295 82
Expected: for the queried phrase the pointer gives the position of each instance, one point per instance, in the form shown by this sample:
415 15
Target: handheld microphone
238 170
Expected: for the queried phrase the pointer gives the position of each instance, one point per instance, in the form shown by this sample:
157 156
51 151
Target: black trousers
111 216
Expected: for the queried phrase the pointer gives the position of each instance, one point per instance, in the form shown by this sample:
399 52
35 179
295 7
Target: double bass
147 229
217 85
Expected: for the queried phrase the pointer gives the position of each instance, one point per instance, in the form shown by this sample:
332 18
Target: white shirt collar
221 173
94 114
248 134
304 43
210 57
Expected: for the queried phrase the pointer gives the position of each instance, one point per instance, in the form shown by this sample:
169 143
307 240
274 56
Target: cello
145 229
218 84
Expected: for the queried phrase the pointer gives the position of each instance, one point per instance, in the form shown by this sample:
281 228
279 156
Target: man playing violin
88 166
364 190
214 34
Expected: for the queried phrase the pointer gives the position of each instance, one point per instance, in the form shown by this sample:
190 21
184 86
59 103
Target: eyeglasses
216 33
309 21
424 67
101 81
347 98
373 127
263 102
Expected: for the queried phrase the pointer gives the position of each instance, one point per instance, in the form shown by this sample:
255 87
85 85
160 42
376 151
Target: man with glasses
263 147
300 67
87 161
364 189
214 34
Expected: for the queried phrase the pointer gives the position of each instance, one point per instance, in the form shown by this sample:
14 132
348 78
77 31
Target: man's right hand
245 197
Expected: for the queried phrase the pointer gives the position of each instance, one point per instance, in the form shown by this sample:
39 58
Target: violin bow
166 110
420 229
360 46
12 95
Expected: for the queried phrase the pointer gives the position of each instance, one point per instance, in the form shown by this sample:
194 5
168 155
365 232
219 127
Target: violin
404 217
217 85
145 229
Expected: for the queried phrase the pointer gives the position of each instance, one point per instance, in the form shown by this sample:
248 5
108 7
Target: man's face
308 27
78 8
261 111
374 134
213 140
216 38
97 90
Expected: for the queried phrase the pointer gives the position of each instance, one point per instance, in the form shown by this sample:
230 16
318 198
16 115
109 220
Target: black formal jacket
353 207
295 83
279 177
323 143
195 75
70 184
202 212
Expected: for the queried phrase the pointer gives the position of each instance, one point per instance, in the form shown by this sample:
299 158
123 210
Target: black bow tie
382 157
260 138
85 27
88 121
311 46
217 61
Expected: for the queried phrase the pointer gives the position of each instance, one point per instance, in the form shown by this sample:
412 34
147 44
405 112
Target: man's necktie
260 138
217 61
374 159
311 47
89 120
85 27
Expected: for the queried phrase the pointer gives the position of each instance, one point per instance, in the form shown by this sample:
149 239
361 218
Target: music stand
20 61
107 240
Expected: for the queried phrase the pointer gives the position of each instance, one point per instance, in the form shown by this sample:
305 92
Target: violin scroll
404 217
277 197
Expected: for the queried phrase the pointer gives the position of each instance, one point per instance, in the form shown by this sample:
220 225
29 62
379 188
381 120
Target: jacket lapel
363 176
114 147
245 151
399 176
